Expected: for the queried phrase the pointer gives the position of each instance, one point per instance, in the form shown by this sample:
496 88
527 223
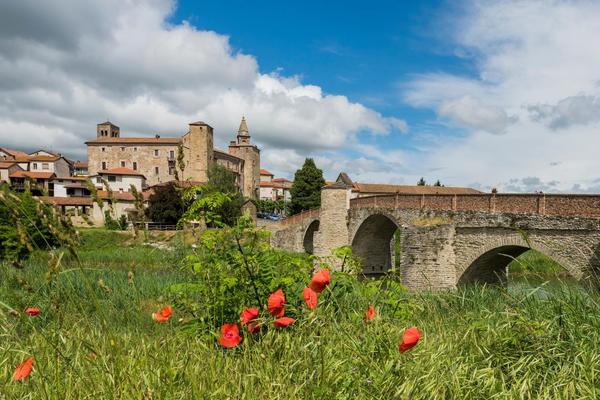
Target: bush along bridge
449 240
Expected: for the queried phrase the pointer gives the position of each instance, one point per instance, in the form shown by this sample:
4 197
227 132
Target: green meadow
95 337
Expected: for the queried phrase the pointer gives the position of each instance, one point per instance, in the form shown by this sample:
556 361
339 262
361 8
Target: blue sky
481 93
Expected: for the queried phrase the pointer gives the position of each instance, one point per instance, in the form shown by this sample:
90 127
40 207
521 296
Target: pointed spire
243 131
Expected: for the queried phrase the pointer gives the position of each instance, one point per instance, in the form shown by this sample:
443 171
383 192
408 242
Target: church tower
245 150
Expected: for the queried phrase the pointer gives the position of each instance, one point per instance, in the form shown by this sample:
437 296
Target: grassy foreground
95 339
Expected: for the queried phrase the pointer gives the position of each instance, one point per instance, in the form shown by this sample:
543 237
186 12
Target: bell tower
244 149
107 130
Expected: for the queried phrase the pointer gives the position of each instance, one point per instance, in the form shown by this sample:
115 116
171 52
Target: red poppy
230 336
23 370
248 315
410 339
275 303
32 311
370 314
320 280
283 322
163 315
310 297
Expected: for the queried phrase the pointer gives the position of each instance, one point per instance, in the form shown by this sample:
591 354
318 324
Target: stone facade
157 158
452 240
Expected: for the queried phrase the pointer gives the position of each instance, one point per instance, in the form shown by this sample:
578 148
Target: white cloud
537 72
66 66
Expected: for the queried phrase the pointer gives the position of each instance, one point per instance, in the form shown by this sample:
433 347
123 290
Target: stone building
157 158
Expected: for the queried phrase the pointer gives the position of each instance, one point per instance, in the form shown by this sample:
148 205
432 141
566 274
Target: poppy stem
248 269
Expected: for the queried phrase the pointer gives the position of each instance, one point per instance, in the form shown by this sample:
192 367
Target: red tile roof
14 153
81 164
6 164
265 172
410 189
126 196
281 180
121 171
68 201
31 174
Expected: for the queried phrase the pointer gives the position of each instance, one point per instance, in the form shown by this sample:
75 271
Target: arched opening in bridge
309 237
517 266
377 244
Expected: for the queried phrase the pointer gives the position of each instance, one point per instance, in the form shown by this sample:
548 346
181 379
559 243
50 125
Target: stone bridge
449 240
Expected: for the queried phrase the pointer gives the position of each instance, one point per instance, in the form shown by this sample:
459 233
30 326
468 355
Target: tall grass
477 343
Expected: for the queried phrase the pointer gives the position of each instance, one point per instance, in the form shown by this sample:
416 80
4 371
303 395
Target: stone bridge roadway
449 240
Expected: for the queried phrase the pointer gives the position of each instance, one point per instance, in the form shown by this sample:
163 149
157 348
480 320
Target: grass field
95 339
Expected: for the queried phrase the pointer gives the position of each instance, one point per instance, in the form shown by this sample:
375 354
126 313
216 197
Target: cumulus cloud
573 110
536 71
68 65
473 114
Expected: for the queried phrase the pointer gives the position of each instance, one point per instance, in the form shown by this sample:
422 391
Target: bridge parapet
313 213
571 205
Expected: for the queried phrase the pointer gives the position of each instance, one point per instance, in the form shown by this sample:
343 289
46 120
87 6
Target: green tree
306 191
222 180
438 183
165 204
421 182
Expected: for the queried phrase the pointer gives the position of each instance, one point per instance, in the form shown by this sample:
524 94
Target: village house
274 188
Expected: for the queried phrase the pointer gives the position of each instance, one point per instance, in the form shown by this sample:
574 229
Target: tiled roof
265 172
68 201
80 164
281 180
6 164
31 174
126 196
410 189
275 185
121 171
70 178
43 158
138 140
13 152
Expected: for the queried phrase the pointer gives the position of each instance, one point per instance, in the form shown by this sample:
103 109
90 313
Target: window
122 148
98 179
104 165
171 170
135 165
135 149
172 154
123 164
103 149
34 166
156 153
155 170
45 166
112 178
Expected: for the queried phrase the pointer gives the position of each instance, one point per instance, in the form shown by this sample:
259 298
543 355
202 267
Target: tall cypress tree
306 191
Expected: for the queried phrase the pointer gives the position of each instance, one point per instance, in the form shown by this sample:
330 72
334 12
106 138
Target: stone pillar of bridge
333 220
428 259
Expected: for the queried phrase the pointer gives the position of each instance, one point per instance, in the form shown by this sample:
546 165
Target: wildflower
409 339
32 311
320 280
163 315
23 370
283 322
310 297
248 317
370 313
275 303
230 336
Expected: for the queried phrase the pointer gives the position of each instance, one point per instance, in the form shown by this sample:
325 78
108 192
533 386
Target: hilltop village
123 163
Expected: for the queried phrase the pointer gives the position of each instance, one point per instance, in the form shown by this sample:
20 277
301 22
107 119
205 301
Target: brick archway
372 243
308 241
488 264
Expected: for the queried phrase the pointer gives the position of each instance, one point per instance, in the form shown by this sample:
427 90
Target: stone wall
142 154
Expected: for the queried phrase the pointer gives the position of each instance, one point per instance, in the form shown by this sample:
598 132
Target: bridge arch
488 263
372 242
308 239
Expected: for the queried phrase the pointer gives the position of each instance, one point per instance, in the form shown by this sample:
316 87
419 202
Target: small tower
107 130
245 150
198 151
243 137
